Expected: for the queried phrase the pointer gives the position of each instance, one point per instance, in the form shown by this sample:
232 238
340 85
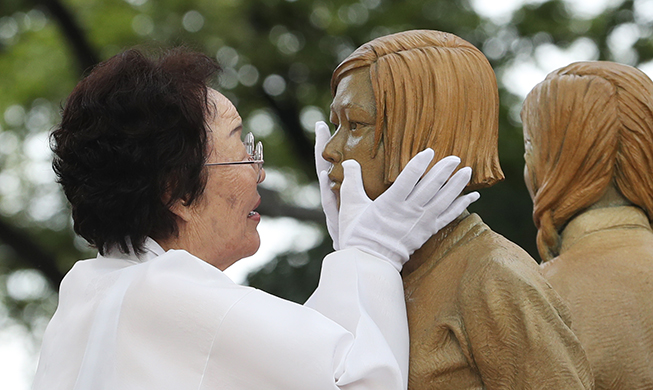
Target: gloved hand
329 203
407 214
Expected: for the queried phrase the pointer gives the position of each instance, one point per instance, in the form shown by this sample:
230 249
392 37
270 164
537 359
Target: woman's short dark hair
132 141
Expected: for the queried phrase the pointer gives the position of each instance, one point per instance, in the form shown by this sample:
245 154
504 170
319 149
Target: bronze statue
588 133
480 314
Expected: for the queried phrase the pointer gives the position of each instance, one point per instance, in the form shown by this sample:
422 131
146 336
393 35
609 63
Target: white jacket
168 320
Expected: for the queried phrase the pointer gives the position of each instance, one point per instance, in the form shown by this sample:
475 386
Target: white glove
329 203
407 214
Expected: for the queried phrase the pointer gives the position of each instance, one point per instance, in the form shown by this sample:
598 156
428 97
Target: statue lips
336 182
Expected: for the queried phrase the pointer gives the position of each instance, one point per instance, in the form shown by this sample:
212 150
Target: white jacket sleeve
355 339
175 322
365 294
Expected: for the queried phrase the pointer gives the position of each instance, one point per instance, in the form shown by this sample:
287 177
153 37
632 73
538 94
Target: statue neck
424 253
611 198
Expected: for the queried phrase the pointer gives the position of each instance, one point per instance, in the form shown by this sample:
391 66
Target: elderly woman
480 314
152 162
588 134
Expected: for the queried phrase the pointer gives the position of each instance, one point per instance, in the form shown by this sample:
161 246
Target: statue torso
482 316
605 275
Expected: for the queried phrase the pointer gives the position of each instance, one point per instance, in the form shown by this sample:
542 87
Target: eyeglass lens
257 154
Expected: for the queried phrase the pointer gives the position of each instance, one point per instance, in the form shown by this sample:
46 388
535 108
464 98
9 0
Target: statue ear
378 138
377 146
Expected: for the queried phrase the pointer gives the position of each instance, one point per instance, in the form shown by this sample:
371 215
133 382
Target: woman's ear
181 210
179 207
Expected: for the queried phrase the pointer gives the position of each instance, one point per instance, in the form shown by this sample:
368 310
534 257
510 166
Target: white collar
151 250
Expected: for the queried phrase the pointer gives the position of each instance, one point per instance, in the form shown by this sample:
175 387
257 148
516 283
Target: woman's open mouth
254 214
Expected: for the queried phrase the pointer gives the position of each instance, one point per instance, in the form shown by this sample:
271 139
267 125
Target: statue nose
333 150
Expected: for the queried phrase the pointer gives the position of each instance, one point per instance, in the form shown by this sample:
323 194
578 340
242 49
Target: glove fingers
432 182
408 177
322 135
352 192
446 162
456 208
450 191
329 203
330 207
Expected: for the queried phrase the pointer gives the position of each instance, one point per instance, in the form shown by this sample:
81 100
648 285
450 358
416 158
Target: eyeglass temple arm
236 162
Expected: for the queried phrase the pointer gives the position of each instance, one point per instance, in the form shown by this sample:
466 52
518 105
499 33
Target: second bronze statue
588 132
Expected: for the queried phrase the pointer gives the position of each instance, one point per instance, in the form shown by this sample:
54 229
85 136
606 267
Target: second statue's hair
590 125
432 89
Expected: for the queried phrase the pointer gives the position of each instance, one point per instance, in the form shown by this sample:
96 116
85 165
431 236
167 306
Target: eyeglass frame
255 154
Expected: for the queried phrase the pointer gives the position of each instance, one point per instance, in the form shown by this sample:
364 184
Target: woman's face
353 112
222 225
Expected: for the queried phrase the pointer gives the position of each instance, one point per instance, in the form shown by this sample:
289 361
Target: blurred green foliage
278 56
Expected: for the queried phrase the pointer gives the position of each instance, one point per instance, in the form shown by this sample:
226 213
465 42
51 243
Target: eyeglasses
255 156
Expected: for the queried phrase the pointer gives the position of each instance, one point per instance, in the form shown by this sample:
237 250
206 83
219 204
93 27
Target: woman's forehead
223 107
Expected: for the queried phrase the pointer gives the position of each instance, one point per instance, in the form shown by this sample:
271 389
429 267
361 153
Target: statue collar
607 218
464 229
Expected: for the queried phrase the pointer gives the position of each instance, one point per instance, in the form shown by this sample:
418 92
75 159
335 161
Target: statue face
529 177
353 113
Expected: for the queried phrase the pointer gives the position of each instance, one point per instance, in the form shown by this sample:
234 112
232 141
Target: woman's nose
333 149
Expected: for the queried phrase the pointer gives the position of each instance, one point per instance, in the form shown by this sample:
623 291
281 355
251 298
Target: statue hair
590 125
432 89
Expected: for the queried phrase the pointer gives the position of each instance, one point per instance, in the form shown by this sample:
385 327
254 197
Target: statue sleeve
518 330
